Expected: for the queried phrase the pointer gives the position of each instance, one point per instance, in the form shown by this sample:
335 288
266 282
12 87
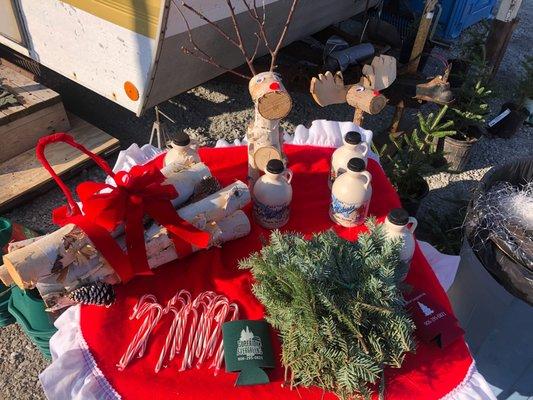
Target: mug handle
365 145
414 224
289 174
368 177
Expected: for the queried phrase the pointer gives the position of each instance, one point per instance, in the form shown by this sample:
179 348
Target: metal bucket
498 326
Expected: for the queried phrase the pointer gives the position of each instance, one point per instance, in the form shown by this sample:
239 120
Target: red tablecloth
429 374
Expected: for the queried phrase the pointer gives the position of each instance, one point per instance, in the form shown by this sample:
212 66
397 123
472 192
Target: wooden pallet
39 113
22 177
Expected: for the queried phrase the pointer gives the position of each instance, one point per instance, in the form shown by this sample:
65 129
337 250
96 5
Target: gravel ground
219 109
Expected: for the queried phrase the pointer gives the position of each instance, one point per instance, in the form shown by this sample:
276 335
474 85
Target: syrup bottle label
271 216
348 214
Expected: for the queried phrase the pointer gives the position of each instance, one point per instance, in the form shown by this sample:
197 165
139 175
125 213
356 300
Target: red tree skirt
429 374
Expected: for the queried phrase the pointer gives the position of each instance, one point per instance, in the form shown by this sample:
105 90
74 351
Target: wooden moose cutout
365 97
271 100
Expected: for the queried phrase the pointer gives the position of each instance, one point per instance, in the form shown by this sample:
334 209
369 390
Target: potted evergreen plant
415 155
472 59
513 113
468 114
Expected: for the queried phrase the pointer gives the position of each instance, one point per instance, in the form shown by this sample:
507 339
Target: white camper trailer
129 50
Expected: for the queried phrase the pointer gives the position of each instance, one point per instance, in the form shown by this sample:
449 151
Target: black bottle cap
275 166
353 137
356 164
182 139
398 216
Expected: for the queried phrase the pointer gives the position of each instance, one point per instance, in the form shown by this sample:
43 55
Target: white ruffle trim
74 374
473 387
322 133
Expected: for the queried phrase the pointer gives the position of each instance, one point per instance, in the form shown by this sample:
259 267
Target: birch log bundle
63 260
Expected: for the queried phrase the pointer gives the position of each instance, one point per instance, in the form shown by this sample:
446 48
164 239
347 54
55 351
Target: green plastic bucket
6 318
29 311
6 230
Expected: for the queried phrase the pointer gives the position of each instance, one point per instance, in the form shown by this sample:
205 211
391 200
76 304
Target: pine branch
337 305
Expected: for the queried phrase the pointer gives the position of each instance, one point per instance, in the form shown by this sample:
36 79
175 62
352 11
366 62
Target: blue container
456 15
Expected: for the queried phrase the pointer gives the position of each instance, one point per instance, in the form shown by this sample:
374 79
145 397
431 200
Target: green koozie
247 348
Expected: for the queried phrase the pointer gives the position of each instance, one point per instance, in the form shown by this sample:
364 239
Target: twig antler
274 54
254 14
201 54
239 43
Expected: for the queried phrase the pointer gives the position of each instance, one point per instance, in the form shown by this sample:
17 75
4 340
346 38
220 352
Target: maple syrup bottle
353 146
272 195
350 195
181 149
399 225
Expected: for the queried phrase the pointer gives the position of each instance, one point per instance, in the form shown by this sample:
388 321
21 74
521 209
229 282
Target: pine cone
97 293
204 188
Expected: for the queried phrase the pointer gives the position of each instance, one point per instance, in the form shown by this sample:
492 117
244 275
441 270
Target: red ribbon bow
137 192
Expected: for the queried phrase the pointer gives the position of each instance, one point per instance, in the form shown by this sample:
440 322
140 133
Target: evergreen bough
337 306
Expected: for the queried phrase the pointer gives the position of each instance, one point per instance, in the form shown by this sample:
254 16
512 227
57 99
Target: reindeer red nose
274 86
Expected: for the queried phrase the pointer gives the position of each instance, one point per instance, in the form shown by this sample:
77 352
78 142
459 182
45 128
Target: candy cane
187 356
212 339
138 343
207 313
155 320
217 362
141 304
182 296
180 332
169 339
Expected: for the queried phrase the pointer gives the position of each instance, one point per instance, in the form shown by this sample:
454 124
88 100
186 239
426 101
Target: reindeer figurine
271 100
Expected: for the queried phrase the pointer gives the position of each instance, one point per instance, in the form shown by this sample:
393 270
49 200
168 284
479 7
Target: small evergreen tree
337 306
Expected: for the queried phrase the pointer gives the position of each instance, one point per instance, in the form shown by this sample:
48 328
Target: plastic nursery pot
412 202
457 148
508 121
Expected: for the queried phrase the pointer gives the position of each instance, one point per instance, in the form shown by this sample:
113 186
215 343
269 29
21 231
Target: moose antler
238 42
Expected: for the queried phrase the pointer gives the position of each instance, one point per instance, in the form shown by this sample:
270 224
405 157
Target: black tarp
515 276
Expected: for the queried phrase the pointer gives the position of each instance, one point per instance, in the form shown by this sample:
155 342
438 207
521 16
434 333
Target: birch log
217 206
184 180
159 248
66 258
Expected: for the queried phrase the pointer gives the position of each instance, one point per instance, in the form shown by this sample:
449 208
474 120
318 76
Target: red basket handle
68 139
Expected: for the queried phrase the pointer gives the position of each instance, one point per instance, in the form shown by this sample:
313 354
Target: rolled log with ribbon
66 259
85 249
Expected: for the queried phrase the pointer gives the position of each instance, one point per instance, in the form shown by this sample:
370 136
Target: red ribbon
137 192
